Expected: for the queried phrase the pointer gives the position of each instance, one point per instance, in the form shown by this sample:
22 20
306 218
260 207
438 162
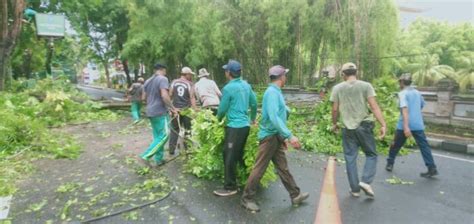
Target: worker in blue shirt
273 135
410 124
237 98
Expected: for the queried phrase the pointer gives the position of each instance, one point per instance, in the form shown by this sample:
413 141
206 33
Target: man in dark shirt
135 97
182 95
158 104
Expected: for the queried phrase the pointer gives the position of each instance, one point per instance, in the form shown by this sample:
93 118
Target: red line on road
328 207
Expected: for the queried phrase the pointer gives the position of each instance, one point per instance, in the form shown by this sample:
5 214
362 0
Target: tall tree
101 22
11 13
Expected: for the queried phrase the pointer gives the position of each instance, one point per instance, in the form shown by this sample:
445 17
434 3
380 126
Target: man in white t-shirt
207 91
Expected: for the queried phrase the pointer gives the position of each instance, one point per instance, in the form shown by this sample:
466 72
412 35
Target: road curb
451 146
470 149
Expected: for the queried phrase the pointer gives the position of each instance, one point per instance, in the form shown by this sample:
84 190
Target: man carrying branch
237 98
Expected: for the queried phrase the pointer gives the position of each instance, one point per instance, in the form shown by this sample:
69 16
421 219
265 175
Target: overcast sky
444 10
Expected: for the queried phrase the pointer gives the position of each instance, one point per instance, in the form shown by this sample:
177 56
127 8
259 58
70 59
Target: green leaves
397 181
26 118
206 155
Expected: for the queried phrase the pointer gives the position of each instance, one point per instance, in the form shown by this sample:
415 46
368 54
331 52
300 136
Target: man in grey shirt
352 99
158 104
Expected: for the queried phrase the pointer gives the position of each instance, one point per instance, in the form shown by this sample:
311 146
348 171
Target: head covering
159 66
277 70
233 67
405 77
349 66
187 70
203 73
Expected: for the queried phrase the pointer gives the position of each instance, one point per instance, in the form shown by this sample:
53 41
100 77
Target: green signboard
50 25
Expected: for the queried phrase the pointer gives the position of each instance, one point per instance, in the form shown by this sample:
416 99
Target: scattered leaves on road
396 180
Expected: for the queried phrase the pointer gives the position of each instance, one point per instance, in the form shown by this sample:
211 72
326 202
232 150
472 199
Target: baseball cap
203 72
277 70
349 66
158 66
187 70
233 66
405 76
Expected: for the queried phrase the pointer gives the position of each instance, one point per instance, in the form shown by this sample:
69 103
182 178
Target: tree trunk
49 56
107 73
27 63
3 70
127 72
10 27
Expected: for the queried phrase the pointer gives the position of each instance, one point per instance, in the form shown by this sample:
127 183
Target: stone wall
445 106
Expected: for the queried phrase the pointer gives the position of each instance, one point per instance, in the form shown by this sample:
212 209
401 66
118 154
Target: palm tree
465 74
428 71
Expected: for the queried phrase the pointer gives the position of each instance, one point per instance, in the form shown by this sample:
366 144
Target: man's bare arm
374 106
167 99
335 114
406 127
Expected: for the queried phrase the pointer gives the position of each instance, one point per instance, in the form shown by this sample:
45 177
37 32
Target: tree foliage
303 35
434 50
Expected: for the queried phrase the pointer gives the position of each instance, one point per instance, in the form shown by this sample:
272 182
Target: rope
148 203
131 208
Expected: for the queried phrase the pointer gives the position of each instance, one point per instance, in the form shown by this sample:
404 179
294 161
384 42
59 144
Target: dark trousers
271 148
185 123
352 139
421 141
234 144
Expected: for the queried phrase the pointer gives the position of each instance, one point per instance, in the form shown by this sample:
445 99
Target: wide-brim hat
203 73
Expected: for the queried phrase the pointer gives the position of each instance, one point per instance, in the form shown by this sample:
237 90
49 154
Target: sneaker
354 194
389 167
430 173
300 198
224 192
367 189
250 205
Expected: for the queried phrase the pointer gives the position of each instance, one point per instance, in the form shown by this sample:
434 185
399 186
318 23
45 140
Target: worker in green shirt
273 136
237 98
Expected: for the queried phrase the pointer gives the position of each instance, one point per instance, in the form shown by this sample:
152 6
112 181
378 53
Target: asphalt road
449 198
100 94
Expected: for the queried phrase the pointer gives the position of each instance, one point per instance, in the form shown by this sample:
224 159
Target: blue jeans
421 141
362 137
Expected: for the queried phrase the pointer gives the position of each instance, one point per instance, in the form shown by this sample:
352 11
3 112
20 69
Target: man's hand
335 128
173 111
407 132
383 132
294 142
255 123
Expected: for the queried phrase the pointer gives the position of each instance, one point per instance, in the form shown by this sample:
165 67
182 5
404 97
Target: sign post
50 26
